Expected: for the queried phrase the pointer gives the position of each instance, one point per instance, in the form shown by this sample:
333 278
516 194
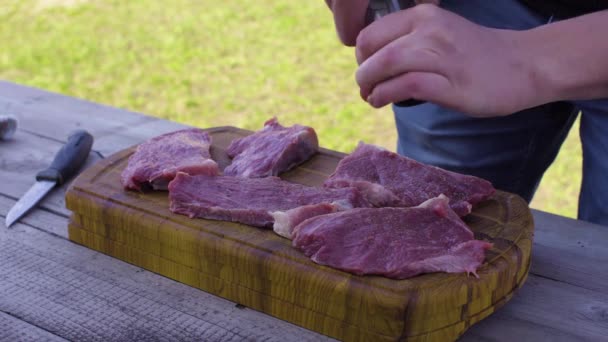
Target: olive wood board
263 271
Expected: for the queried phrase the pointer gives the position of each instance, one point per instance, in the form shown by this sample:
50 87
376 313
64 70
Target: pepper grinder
378 9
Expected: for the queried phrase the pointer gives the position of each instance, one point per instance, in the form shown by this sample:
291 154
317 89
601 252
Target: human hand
430 54
349 17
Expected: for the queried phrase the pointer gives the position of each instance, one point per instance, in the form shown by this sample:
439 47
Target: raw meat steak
249 200
395 242
156 161
286 221
271 150
390 180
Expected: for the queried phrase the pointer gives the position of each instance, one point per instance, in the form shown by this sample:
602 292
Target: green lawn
209 63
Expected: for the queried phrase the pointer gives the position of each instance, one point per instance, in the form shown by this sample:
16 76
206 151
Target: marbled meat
390 180
271 150
394 242
156 161
250 200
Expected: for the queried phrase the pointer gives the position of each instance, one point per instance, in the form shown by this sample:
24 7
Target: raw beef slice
249 200
272 150
390 180
286 221
156 161
395 242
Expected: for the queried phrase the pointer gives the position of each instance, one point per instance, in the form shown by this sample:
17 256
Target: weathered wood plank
53 115
547 310
579 237
571 251
79 294
15 329
501 327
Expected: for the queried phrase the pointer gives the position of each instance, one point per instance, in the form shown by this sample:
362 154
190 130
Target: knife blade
66 163
378 9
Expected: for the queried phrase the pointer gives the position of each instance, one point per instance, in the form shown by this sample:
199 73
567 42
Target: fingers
389 28
403 55
380 33
349 18
424 86
401 50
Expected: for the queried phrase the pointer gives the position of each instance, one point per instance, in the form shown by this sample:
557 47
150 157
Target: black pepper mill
379 8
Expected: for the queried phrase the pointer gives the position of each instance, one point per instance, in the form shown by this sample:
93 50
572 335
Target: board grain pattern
261 270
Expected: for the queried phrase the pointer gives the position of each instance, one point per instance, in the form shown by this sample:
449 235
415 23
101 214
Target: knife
378 9
67 162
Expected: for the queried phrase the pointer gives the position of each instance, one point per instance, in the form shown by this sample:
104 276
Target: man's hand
430 54
349 17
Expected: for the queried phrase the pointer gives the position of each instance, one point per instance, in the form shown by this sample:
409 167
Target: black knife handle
69 159
408 103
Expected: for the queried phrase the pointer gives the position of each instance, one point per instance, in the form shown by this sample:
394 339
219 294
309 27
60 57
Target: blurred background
213 63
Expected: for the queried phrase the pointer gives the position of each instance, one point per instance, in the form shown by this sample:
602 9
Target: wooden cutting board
259 269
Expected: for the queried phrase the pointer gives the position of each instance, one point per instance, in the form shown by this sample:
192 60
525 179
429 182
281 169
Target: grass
211 63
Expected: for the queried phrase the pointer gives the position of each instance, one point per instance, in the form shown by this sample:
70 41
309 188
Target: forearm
569 59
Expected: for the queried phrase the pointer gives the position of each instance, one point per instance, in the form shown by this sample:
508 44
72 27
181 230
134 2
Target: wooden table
52 289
